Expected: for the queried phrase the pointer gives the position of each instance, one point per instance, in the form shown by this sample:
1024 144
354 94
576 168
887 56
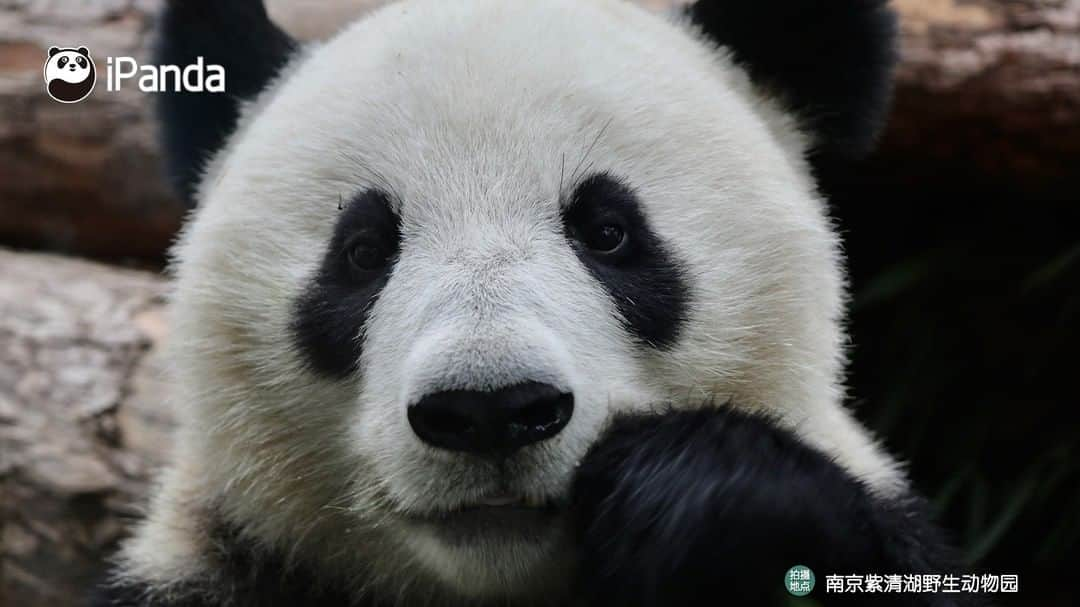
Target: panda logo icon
69 74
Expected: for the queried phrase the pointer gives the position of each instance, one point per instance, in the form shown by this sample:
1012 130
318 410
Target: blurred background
962 234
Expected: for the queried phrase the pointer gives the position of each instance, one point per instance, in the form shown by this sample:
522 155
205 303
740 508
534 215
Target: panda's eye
601 221
366 254
603 238
81 62
62 62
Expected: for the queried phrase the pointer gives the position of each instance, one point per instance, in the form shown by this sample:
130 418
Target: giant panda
486 302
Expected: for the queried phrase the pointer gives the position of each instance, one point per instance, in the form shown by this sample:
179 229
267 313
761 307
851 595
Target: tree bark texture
82 421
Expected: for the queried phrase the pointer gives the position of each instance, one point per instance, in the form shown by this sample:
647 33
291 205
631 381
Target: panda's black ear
830 61
235 34
53 50
82 50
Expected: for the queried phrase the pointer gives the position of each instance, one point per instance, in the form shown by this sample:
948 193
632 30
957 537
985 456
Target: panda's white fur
480 117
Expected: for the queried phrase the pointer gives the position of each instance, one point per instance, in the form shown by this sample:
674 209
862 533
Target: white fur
472 114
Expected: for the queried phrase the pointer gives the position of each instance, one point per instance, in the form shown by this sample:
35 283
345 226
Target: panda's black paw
677 506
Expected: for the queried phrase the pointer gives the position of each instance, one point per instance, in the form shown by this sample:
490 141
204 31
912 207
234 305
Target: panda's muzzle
492 423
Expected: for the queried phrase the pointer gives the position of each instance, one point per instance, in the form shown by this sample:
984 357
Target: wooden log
986 89
82 422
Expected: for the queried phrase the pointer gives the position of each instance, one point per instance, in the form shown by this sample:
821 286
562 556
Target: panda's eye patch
81 61
605 224
331 311
62 62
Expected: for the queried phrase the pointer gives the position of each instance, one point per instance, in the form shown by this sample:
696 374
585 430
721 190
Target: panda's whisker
375 176
589 150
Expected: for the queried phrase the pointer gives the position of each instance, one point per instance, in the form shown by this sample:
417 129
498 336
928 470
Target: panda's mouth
500 503
499 514
505 500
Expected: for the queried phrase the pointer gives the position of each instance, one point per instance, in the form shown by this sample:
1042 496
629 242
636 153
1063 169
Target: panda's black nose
491 423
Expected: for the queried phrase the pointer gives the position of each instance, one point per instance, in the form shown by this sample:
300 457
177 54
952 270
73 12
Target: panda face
424 276
68 65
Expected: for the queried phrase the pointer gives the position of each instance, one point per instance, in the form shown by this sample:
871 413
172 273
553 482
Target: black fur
330 316
236 34
643 278
713 507
829 60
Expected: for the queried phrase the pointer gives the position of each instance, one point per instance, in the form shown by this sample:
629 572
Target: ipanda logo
70 74
194 78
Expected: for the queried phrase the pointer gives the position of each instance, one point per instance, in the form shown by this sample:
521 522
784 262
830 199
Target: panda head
69 74
68 64
441 250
